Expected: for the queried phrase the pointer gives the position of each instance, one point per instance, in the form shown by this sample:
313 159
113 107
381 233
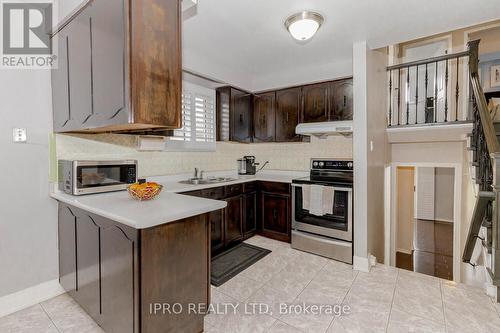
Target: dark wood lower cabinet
216 220
250 214
233 220
116 272
254 207
275 211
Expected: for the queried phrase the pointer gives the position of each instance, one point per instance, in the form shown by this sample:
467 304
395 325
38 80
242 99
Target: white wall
405 209
369 68
28 222
28 227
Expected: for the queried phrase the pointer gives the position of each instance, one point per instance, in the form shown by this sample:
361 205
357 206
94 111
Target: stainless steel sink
205 181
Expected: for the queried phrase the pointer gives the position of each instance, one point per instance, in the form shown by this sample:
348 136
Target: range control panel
322 164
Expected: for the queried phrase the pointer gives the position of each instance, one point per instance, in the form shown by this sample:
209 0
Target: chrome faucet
198 174
195 173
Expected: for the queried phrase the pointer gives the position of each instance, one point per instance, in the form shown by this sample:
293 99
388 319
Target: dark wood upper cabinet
316 102
341 101
288 114
242 116
119 67
234 115
264 117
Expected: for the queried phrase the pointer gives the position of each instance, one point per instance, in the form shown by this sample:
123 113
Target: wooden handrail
482 105
429 60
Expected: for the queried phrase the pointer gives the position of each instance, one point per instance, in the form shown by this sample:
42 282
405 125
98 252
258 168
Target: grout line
50 318
444 312
392 302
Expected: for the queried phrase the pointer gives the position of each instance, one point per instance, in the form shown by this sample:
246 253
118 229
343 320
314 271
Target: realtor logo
26 27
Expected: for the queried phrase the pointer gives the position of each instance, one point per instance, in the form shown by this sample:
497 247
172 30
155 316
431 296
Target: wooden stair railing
486 160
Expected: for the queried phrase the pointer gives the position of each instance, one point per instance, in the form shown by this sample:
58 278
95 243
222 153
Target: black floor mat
228 264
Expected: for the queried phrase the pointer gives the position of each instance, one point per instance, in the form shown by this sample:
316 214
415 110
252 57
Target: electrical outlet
19 135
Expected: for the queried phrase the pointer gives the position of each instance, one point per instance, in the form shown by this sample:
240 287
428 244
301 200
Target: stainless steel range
328 234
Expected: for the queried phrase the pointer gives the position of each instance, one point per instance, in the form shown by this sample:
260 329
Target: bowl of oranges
144 190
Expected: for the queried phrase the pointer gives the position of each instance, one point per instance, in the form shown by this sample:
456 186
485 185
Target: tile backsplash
281 156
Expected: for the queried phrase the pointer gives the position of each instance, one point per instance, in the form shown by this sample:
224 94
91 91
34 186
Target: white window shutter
198 132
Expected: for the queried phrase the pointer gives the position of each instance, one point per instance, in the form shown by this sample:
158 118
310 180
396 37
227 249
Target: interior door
425 189
288 107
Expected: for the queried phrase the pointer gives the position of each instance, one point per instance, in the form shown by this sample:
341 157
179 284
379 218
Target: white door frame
391 212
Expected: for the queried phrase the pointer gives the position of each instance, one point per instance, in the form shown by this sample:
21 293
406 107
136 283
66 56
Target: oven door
98 177
337 225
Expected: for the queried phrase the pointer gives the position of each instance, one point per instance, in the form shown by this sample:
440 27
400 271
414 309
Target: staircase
484 144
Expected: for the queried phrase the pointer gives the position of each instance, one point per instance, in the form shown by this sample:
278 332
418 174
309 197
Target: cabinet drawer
249 187
282 188
215 193
233 190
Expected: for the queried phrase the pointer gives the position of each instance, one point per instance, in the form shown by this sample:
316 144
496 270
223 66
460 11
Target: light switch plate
19 135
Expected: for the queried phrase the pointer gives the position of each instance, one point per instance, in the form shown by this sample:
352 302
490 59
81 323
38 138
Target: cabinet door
275 216
250 214
67 248
216 219
88 258
315 99
223 103
117 267
72 81
342 100
241 111
233 220
287 114
107 28
264 117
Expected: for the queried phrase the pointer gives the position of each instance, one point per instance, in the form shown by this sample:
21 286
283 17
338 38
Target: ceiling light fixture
304 25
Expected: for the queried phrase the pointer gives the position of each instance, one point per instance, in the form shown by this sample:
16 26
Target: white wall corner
30 296
361 264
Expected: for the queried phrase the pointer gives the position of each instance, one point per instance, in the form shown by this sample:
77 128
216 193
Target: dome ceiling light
304 25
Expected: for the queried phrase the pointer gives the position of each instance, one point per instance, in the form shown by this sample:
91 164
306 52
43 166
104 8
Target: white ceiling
244 42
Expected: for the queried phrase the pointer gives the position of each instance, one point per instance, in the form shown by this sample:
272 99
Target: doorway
424 220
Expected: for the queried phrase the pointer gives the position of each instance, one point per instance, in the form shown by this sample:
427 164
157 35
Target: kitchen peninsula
119 258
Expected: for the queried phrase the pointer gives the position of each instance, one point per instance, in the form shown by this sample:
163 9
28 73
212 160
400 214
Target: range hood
325 129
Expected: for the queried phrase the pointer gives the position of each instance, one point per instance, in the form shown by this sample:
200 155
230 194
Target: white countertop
169 206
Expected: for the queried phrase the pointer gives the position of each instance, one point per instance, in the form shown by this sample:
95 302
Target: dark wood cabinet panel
67 248
223 107
316 102
275 216
177 270
88 257
120 67
250 214
288 114
233 220
101 262
117 280
341 100
241 110
264 117
216 220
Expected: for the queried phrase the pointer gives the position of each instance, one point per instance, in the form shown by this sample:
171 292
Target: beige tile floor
385 300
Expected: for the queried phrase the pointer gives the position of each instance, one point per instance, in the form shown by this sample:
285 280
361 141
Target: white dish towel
317 199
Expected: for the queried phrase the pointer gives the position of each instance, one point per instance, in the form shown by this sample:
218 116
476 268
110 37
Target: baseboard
361 264
30 296
405 251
